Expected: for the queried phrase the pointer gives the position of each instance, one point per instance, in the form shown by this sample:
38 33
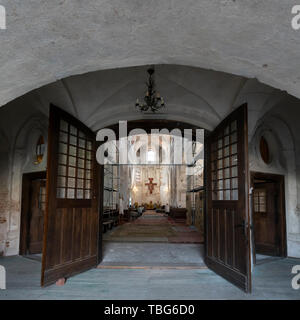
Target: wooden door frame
27 178
277 178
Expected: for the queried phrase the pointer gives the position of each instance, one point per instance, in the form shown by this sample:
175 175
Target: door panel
227 216
71 231
36 216
266 219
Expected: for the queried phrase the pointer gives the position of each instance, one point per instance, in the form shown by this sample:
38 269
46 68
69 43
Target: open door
71 228
227 214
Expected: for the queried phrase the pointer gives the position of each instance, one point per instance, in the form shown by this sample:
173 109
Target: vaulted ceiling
192 95
50 40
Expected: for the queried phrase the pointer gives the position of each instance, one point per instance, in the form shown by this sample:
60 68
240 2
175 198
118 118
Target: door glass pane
227 173
73 140
81 143
73 130
220 153
88 164
71 194
235 194
75 162
62 170
226 152
227 195
220 184
220 195
71 172
226 141
61 182
234 148
227 184
233 126
63 137
88 174
72 161
220 143
234 137
81 163
234 182
234 160
80 183
62 159
73 151
81 135
71 183
87 194
80 173
63 125
234 171
220 174
226 162
89 145
61 193
63 148
79 194
81 153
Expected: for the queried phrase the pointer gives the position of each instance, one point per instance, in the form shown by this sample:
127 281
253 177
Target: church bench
178 213
107 225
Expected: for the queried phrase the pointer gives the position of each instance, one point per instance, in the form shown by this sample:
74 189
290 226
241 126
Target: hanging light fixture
152 100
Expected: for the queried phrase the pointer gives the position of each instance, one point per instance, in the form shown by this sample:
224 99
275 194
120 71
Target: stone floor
271 280
154 227
148 254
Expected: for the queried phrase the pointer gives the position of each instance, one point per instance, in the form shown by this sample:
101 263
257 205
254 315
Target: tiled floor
154 227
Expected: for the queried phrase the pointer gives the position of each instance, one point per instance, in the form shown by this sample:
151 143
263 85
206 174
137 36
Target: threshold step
122 265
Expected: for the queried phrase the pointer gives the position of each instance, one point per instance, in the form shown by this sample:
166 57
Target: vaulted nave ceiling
50 40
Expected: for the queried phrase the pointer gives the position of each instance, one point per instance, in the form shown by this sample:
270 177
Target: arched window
264 150
39 150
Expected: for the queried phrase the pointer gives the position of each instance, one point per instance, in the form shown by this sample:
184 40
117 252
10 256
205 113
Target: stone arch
21 162
283 161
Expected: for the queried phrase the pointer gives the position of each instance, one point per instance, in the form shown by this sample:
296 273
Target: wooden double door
72 237
73 220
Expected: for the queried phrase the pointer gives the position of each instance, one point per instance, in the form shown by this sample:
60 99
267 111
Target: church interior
224 224
153 202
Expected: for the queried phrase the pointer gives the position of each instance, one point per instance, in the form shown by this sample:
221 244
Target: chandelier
152 100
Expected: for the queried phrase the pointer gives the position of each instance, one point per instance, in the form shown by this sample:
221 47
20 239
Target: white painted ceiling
50 40
192 95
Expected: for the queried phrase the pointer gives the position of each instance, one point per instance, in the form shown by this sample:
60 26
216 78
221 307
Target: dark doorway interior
269 219
32 213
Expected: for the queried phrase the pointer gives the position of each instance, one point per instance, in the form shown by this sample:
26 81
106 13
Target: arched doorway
75 197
